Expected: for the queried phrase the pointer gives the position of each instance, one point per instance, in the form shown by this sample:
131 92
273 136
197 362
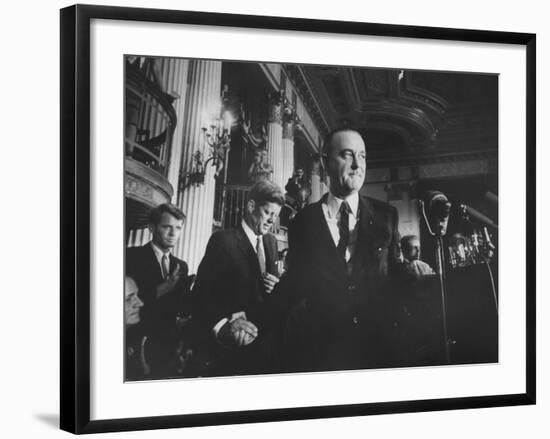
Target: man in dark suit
235 281
163 287
342 251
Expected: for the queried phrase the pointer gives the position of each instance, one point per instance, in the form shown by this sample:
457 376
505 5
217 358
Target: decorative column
316 188
174 79
289 126
197 200
275 141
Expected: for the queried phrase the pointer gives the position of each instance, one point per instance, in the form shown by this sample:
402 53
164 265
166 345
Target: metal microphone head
437 209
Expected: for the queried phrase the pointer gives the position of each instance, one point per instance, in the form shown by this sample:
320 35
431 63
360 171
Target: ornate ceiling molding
296 74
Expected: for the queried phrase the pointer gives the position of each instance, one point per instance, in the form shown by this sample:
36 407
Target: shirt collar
159 253
252 237
333 204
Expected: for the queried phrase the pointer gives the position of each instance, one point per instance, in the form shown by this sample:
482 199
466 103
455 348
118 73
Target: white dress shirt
331 210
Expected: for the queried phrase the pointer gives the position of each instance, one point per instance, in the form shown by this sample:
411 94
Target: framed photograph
275 218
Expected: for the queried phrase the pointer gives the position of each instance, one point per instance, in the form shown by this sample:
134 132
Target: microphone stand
494 290
487 251
440 262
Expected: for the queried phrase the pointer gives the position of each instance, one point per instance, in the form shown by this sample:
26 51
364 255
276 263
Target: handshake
238 331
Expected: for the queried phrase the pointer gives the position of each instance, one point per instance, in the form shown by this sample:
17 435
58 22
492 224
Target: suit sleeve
182 299
209 283
288 288
165 308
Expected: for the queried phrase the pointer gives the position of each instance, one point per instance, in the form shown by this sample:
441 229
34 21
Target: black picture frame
75 217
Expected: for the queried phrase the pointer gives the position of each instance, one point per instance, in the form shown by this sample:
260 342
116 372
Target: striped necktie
261 254
165 266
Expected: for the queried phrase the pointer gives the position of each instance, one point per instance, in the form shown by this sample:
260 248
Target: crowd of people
339 302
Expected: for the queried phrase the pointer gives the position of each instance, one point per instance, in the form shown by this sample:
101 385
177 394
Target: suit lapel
153 261
366 236
324 239
366 223
173 263
247 250
251 259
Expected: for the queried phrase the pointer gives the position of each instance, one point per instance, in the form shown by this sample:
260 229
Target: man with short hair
295 183
162 281
414 268
135 365
132 303
342 251
235 280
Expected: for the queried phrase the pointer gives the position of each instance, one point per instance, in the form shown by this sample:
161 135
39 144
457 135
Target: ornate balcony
150 124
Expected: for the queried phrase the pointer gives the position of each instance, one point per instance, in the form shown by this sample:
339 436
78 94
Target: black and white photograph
274 218
284 218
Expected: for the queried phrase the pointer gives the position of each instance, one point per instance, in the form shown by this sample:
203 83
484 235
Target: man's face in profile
167 231
132 302
262 216
412 250
346 163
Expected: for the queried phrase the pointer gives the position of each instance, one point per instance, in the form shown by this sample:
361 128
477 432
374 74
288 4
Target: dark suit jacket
339 320
229 281
158 314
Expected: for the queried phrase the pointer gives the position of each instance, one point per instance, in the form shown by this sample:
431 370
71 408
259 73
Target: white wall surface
29 313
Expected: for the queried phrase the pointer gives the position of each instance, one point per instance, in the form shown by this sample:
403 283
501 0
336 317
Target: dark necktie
343 228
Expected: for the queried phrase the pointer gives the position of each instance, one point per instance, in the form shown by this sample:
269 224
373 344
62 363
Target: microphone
436 208
471 213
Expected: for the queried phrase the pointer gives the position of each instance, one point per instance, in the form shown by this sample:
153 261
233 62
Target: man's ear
151 228
323 157
250 205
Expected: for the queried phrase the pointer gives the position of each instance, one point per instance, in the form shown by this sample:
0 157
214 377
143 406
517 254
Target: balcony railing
150 120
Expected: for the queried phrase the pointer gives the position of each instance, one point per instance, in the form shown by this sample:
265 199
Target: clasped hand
239 330
169 284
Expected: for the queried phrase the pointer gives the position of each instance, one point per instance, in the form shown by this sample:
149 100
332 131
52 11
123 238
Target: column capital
288 129
280 108
275 114
291 121
275 109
